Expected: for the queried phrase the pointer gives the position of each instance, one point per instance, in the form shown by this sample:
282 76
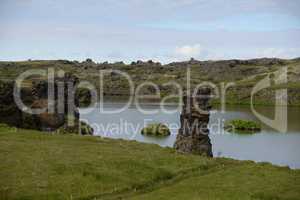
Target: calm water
268 145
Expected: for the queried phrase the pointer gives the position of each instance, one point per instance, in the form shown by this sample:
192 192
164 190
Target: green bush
242 125
4 125
156 130
7 128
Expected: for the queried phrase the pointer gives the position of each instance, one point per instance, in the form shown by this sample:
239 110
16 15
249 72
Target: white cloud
188 51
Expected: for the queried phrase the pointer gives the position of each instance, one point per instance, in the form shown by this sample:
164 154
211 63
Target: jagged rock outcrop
9 112
193 133
62 106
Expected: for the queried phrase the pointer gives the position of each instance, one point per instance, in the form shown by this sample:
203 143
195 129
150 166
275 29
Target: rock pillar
193 133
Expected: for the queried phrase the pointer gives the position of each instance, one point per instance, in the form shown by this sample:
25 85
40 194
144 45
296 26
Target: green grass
37 165
242 126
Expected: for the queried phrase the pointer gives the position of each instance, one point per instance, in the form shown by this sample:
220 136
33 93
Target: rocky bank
35 96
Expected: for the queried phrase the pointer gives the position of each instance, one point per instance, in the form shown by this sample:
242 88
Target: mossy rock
242 126
86 129
84 97
82 129
156 130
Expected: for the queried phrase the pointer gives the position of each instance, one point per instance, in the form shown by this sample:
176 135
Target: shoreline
119 101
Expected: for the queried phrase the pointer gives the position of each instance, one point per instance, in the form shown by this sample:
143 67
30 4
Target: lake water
268 145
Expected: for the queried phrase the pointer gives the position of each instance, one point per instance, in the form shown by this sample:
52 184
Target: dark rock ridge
233 62
193 133
35 96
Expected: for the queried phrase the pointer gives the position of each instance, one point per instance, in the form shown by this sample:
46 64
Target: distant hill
244 73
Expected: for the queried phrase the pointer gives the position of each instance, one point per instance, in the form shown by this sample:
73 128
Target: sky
161 30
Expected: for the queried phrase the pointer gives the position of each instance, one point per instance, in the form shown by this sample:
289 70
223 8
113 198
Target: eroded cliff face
193 133
60 111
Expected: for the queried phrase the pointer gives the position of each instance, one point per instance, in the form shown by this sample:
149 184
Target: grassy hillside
37 165
244 73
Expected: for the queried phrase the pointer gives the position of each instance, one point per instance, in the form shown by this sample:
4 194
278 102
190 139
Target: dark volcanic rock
193 133
36 97
9 112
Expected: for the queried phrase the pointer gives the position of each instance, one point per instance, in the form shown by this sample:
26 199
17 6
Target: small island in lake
158 129
242 126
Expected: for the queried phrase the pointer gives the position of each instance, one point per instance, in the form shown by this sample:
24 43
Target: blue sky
162 30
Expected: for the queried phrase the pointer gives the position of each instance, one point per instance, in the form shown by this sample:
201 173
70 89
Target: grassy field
37 165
